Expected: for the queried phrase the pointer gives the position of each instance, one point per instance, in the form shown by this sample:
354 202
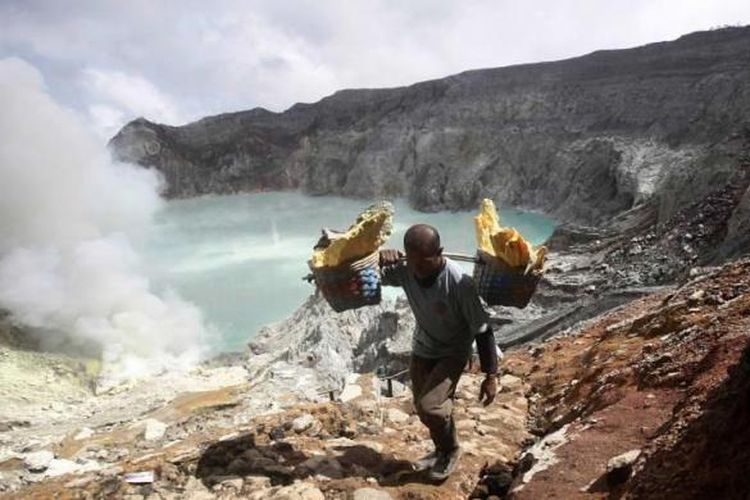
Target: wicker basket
350 285
501 285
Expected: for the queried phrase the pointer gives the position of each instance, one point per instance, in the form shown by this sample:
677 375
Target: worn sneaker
445 464
426 461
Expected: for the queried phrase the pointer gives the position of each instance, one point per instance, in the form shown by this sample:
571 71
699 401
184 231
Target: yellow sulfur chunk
486 225
369 232
505 242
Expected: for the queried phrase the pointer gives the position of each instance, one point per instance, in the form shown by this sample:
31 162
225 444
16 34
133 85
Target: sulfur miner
450 318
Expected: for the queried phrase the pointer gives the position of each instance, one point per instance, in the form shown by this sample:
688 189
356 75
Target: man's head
424 255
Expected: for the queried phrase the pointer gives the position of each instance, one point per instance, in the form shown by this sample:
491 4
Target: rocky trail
366 441
647 400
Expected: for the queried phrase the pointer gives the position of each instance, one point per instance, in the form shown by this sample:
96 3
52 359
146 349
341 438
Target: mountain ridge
581 139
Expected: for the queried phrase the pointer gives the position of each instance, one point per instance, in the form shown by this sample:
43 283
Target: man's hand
488 390
390 257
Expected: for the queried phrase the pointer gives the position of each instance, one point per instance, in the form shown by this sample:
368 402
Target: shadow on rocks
366 462
496 480
241 457
282 464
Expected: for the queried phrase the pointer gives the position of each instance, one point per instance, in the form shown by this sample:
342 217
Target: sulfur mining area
627 376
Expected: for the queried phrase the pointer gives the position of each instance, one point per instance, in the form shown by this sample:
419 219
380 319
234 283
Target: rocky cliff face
581 139
333 345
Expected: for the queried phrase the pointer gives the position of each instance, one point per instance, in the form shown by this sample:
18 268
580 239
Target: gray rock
61 466
154 430
620 467
350 392
303 423
326 346
38 461
234 483
697 296
624 460
255 483
276 434
397 416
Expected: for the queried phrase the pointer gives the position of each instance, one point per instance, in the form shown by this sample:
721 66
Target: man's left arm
478 320
487 350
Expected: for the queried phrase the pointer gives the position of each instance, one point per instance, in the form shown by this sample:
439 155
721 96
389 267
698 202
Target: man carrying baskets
450 318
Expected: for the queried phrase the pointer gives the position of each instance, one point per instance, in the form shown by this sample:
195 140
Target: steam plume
68 218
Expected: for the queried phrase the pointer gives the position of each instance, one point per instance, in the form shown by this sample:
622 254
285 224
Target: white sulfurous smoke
68 218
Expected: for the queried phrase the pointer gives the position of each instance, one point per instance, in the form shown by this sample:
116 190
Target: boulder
352 389
154 430
38 461
61 466
303 423
255 483
231 483
620 467
397 416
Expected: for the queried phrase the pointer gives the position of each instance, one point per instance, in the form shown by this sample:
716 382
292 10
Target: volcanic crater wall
581 139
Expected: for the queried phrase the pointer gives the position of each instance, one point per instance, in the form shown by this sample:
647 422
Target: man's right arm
391 267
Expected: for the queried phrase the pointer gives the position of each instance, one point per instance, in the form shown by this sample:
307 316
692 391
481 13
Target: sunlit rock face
580 139
333 345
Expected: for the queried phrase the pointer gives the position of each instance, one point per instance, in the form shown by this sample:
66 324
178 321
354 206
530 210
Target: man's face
424 264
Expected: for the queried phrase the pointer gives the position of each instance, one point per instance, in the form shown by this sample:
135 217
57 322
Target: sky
176 61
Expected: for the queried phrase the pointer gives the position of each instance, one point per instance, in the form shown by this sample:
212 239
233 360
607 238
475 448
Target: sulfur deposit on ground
648 400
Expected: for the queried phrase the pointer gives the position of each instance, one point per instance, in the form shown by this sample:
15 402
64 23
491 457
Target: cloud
117 97
106 120
183 62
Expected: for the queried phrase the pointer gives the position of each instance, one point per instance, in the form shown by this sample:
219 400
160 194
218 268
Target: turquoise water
241 258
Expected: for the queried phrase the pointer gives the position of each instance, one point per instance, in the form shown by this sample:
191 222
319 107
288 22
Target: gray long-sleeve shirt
449 314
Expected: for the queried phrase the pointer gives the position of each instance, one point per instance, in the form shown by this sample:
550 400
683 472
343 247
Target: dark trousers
433 384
